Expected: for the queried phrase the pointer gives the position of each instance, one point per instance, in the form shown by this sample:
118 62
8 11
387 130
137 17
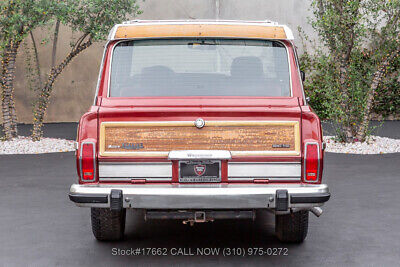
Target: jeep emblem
199 123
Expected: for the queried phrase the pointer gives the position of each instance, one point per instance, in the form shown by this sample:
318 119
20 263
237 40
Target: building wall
74 89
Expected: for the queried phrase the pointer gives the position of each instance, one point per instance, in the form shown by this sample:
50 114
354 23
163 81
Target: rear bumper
237 196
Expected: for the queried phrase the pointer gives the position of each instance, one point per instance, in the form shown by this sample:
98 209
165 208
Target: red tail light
88 162
311 163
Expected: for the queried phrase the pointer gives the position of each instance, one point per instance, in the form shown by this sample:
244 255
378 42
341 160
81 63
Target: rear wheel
107 224
292 227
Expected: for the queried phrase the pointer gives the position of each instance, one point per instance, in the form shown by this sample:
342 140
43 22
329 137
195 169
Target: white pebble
25 145
374 145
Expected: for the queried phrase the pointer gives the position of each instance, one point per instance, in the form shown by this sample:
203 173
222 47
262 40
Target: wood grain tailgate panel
158 138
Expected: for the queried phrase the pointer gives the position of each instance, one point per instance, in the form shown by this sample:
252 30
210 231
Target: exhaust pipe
317 211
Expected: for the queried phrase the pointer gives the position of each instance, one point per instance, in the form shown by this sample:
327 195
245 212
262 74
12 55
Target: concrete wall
74 89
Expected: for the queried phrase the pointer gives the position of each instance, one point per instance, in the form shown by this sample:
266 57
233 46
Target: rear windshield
199 67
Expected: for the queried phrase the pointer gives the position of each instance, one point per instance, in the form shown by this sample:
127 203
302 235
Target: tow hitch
191 217
199 217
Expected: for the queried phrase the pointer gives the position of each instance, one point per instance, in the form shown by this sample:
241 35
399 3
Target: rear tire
108 225
292 227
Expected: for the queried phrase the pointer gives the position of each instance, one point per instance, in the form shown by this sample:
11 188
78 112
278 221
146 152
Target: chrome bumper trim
264 170
271 179
212 196
127 179
162 171
135 170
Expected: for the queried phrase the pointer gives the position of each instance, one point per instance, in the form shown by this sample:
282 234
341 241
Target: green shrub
318 86
352 71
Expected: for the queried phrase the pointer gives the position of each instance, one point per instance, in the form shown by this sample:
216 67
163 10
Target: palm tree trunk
7 84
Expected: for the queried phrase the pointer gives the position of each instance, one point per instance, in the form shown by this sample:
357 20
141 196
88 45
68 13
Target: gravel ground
25 145
374 145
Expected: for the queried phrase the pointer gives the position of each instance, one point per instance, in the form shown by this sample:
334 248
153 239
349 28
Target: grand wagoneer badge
132 146
129 146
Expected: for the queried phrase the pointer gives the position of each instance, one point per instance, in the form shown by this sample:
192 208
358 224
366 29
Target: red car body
292 108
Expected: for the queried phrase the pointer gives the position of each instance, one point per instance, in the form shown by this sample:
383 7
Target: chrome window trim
113 31
305 162
94 161
135 39
298 73
100 73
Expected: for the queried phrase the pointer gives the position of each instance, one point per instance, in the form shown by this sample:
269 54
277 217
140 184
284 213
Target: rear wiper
199 45
202 43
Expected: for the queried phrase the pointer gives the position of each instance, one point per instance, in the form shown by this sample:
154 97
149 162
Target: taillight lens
311 159
88 163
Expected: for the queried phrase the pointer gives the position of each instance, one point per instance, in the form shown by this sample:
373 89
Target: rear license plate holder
200 171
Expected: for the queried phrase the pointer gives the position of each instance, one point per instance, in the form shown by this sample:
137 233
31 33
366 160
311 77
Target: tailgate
263 141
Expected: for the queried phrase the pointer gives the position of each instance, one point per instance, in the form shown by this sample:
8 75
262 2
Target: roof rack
134 21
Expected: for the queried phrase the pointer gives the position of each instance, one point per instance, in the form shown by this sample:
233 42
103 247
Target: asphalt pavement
39 226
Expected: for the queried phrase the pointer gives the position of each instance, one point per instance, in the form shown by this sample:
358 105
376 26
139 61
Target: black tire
108 225
292 227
